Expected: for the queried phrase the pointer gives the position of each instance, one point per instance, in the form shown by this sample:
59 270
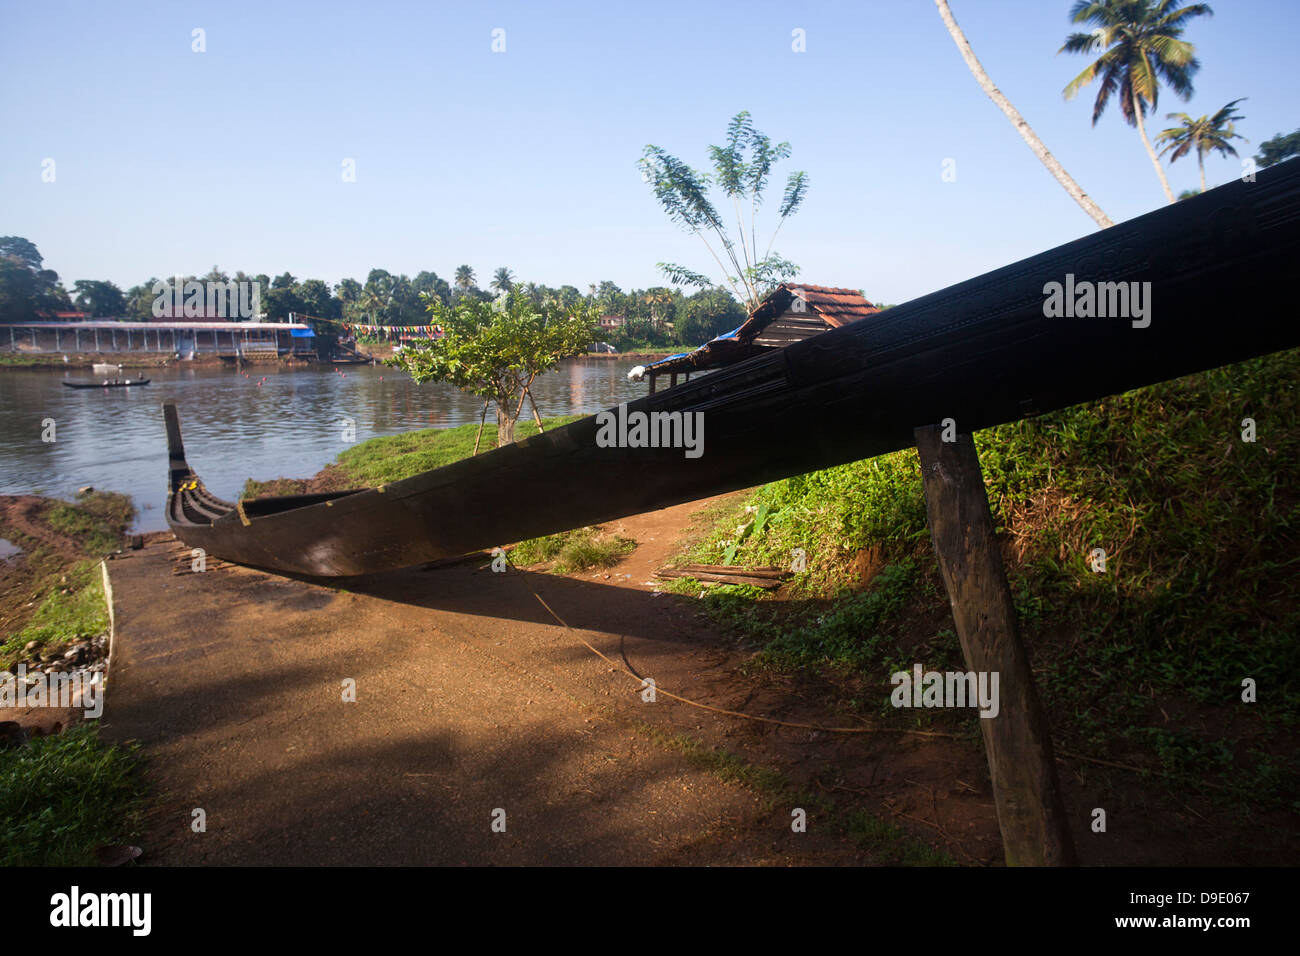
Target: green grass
68 595
68 613
64 796
96 520
578 550
1201 589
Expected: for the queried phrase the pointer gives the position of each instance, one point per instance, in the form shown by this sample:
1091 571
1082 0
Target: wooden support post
1017 741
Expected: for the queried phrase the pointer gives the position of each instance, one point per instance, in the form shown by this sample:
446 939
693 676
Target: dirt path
469 699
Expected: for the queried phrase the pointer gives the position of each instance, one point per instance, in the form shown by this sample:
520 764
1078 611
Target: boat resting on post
982 352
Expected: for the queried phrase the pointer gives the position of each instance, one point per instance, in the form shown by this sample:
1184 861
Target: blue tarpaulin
302 333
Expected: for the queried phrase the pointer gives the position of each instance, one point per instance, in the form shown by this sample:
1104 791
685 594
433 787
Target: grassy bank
53 595
1143 663
62 796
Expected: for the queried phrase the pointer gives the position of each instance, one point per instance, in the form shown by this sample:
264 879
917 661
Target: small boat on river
109 383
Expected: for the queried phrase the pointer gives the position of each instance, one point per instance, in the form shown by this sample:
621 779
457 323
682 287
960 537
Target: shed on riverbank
186 339
791 313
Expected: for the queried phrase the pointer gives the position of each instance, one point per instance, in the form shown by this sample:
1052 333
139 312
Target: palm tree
1205 134
1142 47
655 298
503 280
1026 132
464 278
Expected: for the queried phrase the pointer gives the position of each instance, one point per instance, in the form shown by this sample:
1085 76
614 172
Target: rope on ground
625 669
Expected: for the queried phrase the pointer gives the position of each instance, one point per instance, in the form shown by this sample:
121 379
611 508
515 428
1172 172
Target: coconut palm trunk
1155 160
1023 128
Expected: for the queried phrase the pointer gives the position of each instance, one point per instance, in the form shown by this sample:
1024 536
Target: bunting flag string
432 331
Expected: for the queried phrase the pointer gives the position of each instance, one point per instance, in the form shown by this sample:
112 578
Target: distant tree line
654 317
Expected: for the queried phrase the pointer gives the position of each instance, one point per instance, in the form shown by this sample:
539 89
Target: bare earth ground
470 698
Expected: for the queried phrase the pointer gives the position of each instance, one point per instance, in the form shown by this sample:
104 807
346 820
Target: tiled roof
837 306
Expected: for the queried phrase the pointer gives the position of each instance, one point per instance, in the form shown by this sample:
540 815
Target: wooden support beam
1017 741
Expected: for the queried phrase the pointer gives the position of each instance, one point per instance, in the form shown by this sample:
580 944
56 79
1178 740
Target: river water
234 429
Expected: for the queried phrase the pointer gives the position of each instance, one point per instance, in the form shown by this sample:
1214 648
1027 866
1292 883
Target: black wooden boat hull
981 352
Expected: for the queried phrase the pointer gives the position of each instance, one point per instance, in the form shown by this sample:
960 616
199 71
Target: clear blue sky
169 161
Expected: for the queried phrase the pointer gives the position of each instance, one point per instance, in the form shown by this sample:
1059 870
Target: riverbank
66 797
1146 654
130 360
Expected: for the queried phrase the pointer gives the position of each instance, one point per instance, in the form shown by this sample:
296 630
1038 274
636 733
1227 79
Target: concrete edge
112 625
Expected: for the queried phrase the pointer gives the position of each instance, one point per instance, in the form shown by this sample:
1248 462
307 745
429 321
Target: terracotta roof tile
837 306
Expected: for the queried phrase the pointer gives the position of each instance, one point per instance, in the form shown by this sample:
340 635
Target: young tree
1022 127
496 350
1142 45
741 170
1204 134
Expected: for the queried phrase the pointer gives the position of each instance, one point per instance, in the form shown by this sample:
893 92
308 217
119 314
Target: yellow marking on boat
239 507
380 489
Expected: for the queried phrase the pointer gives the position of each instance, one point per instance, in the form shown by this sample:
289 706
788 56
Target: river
289 426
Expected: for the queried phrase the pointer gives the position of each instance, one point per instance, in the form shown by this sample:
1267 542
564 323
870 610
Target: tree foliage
1140 46
1281 147
496 350
27 291
99 299
1204 134
741 169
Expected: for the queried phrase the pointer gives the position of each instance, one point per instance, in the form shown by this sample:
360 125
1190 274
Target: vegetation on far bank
1142 664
